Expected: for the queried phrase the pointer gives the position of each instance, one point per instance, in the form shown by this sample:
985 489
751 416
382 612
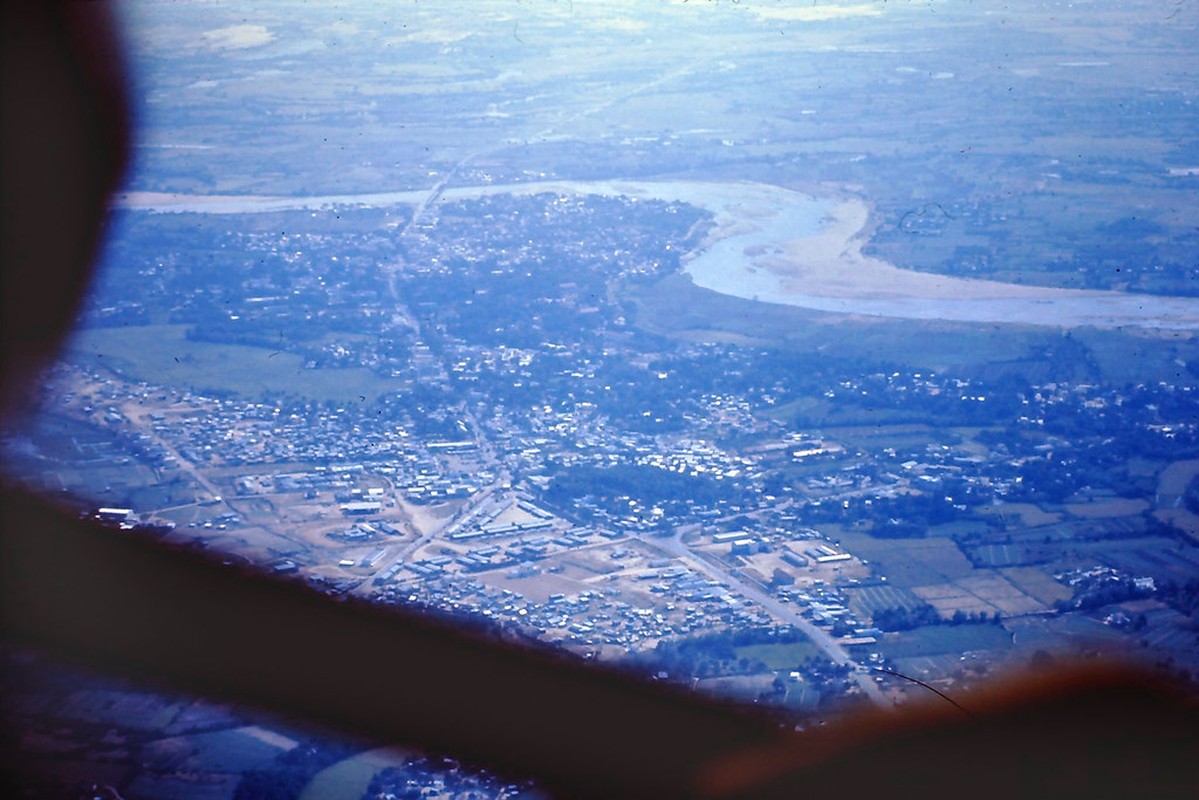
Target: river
776 245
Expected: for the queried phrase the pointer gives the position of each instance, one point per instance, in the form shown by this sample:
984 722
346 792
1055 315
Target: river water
758 248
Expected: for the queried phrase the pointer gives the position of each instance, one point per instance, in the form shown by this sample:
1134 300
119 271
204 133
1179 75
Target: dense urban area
787 528
503 398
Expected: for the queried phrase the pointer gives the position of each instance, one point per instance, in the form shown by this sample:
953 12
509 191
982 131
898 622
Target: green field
1063 633
351 777
678 308
738 688
779 656
1130 357
910 562
866 601
880 435
1159 557
932 640
1176 478
1037 584
1008 555
164 356
1029 514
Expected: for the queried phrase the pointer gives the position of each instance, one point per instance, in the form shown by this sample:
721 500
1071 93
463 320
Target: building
361 507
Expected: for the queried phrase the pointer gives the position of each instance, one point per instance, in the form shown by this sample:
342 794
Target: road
781 611
139 419
436 532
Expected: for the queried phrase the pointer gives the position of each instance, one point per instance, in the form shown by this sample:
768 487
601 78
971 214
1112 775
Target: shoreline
777 245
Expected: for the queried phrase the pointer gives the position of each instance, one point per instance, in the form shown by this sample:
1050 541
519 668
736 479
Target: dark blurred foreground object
65 146
120 603
91 595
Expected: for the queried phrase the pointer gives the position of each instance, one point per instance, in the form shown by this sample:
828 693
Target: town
569 475
492 311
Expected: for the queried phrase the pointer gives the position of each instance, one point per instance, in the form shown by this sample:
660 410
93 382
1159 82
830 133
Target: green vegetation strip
163 355
779 656
936 639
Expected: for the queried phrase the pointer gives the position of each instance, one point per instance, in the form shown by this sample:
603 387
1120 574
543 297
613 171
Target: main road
788 614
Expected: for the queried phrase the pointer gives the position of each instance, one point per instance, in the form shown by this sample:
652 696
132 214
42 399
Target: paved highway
783 612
